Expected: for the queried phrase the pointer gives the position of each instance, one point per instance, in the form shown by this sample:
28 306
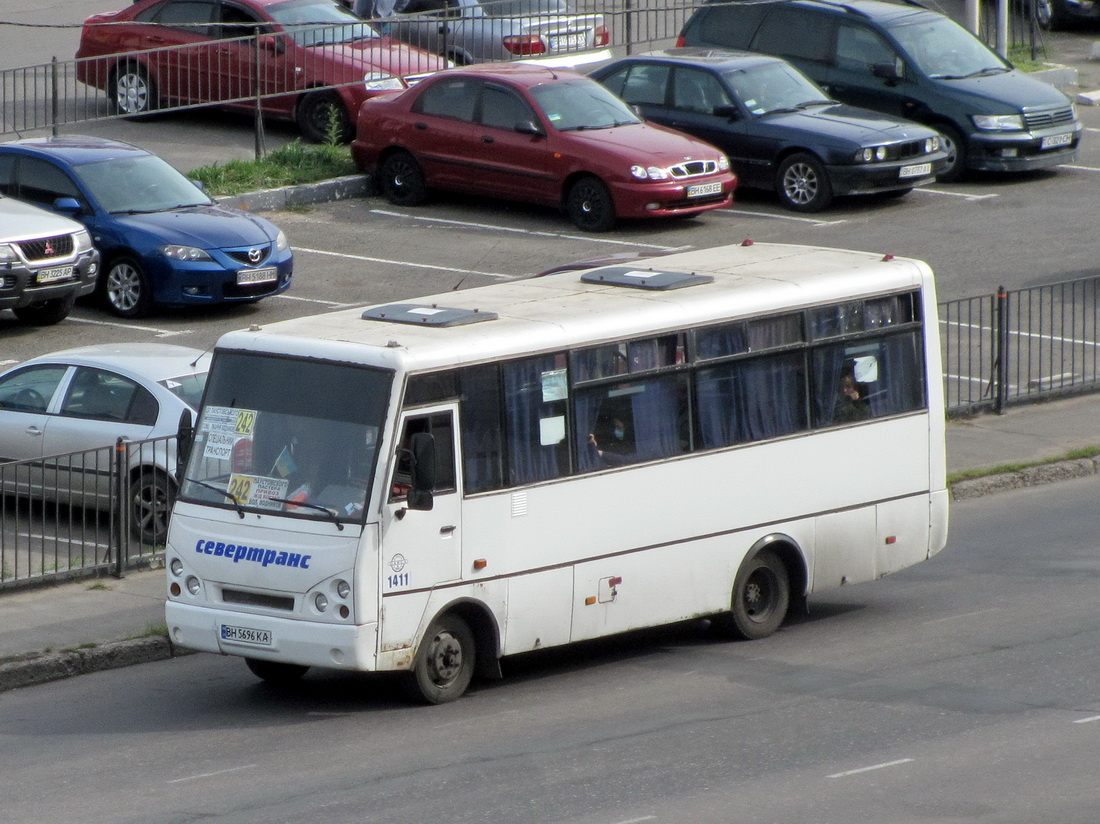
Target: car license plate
264 275
246 635
568 41
56 273
1056 140
701 189
917 170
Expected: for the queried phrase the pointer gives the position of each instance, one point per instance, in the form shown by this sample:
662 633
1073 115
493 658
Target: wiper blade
232 498
784 110
332 513
806 104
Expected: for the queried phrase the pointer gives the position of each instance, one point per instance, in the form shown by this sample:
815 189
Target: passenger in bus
614 449
851 403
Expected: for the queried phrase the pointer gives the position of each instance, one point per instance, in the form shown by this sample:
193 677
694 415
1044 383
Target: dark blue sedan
162 240
779 129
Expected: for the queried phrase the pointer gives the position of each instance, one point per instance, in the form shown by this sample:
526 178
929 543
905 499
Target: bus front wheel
761 596
444 663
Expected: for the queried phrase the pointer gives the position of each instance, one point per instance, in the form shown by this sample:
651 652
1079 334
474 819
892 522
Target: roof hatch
421 314
654 280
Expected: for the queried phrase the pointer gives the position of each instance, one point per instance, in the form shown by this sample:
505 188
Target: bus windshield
288 436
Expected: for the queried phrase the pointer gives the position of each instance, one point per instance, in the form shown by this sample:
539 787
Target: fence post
55 108
120 510
1001 362
260 147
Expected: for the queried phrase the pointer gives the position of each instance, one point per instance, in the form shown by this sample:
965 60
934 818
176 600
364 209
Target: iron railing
82 514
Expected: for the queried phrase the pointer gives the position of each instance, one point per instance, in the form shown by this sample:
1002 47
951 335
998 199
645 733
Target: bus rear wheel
761 596
444 663
276 672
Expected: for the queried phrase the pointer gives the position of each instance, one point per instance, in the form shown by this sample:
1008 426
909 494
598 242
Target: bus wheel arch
461 641
771 577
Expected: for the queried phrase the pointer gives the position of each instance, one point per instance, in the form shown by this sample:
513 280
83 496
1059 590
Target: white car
72 402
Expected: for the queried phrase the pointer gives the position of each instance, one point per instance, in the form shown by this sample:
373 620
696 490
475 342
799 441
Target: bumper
869 178
292 641
648 199
180 283
18 289
1021 152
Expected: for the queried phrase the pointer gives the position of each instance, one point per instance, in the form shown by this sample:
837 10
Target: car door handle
447 530
486 138
34 430
421 126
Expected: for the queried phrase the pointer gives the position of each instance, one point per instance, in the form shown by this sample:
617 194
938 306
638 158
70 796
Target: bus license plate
56 273
246 635
919 170
702 189
264 275
567 41
1056 140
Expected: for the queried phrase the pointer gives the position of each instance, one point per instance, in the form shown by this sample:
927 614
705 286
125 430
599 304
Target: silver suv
46 262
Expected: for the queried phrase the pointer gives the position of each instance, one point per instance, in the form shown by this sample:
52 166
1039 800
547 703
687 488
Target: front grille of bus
258 599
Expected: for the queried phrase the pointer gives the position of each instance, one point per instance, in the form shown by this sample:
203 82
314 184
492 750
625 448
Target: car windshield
308 453
941 48
580 103
137 185
310 23
774 87
522 8
188 388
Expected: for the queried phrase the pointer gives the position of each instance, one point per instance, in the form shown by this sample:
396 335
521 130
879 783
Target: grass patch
290 165
1020 57
1072 455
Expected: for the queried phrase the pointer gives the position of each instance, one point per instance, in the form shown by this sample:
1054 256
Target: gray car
46 262
472 31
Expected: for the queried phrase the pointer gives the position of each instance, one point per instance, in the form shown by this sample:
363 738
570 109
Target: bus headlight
320 600
193 585
343 589
176 565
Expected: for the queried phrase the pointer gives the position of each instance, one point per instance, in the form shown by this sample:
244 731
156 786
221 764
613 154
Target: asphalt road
963 689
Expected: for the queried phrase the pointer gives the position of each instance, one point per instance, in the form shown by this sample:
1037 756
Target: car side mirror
69 205
185 438
422 471
270 43
199 185
887 71
530 127
730 112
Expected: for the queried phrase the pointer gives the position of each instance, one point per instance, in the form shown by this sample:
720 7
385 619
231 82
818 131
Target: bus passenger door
423 547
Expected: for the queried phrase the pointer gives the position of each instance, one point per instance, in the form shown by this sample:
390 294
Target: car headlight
379 82
999 122
723 163
177 252
281 243
83 241
870 154
649 172
7 254
931 144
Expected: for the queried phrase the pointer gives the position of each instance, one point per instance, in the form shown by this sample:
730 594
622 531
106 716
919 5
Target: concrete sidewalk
56 632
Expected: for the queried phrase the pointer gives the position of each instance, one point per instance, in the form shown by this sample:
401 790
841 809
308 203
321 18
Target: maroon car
542 135
181 52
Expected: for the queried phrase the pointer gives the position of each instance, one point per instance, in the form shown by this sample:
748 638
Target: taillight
603 36
524 44
680 42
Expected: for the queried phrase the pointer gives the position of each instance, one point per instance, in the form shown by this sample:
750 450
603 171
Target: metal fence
81 514
1021 346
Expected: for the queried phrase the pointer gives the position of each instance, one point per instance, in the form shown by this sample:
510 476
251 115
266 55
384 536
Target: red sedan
181 52
536 134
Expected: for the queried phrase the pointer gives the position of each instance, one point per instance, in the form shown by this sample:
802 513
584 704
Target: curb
39 668
270 200
1030 476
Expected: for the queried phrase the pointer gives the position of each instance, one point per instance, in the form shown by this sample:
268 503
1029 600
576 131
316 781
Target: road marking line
70 539
1081 168
1088 720
735 212
211 774
334 303
869 769
533 233
388 262
962 615
963 195
160 333
1032 335
637 820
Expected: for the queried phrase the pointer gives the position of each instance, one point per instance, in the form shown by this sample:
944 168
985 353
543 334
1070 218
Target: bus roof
558 311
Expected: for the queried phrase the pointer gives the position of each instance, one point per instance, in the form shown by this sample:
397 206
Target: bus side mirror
422 471
185 438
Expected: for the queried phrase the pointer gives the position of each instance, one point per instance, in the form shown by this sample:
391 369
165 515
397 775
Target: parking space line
160 333
1090 720
963 195
1081 168
389 262
493 227
847 773
334 304
736 212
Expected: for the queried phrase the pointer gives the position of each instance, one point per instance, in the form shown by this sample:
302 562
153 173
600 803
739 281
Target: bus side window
441 427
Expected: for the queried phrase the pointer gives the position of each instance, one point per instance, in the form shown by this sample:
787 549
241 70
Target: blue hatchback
162 240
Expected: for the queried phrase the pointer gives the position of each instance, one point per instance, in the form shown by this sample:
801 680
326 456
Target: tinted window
192 16
451 97
794 32
731 27
30 390
441 428
7 174
697 91
858 48
41 182
503 108
105 396
644 83
237 22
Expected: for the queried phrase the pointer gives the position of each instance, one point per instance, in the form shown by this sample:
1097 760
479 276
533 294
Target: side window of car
697 91
237 22
453 97
30 390
728 26
646 84
503 108
194 16
104 396
858 48
795 32
39 181
7 174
